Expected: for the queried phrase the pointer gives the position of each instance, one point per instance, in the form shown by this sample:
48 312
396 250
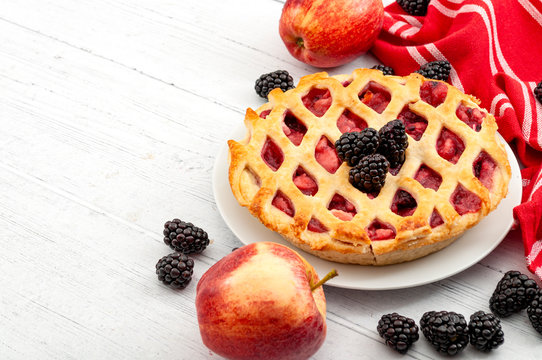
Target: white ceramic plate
466 251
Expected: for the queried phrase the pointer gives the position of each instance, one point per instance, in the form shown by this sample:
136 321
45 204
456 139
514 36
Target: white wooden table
111 114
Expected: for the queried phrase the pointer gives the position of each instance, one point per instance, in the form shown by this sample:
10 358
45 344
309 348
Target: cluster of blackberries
371 153
436 70
185 238
449 333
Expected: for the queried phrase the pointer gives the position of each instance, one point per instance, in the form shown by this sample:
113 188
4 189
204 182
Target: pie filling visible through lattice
287 173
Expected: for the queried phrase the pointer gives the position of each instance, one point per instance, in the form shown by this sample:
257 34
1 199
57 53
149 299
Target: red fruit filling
433 92
305 182
378 230
472 117
465 201
316 226
415 125
272 155
450 146
403 203
264 113
483 168
346 83
293 128
428 177
318 101
283 203
326 155
342 208
436 219
375 96
348 121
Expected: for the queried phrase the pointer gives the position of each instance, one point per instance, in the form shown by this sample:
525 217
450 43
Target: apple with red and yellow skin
262 301
328 33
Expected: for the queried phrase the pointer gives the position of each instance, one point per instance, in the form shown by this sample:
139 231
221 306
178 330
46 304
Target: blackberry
352 146
513 293
538 92
276 79
436 70
386 70
399 332
414 7
485 331
175 270
185 237
534 311
370 174
393 142
448 332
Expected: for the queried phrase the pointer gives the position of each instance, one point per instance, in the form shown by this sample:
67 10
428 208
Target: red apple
262 301
331 32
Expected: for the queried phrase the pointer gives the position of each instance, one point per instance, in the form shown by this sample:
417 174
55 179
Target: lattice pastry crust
473 185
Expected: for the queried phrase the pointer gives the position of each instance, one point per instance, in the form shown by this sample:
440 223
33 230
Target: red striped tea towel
495 48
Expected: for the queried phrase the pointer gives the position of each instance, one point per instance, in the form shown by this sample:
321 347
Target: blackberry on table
185 237
514 292
447 332
175 270
414 7
386 70
399 331
534 311
538 92
352 146
393 142
370 174
436 70
485 331
276 79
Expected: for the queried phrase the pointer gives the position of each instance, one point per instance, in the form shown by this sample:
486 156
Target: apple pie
286 170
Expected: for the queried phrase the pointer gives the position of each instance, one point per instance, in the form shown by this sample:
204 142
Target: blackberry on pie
369 175
393 143
353 146
386 70
436 70
288 171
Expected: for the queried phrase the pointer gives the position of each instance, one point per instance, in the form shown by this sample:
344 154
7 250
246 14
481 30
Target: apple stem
300 42
329 275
